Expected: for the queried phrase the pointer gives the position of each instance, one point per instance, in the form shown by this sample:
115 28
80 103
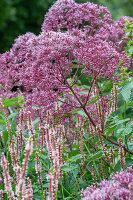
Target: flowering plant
73 79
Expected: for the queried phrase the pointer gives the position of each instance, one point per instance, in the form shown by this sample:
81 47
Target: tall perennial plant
75 77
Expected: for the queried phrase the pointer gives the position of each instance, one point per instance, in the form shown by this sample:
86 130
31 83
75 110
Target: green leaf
107 86
120 62
109 144
31 170
5 136
83 183
2 121
82 113
117 166
130 49
2 87
110 130
68 169
61 100
13 115
74 62
124 131
35 107
126 49
93 100
114 115
130 146
96 156
10 102
126 91
46 185
83 92
128 162
21 99
75 158
118 122
127 33
36 120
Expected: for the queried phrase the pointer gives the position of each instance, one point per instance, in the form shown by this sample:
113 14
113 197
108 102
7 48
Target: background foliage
20 16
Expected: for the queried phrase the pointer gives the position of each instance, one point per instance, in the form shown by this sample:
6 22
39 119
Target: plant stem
90 118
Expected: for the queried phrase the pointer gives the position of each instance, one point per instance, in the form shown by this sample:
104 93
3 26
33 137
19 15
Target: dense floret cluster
48 70
35 64
109 190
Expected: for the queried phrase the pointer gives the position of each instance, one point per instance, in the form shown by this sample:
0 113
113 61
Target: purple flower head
71 31
67 15
111 190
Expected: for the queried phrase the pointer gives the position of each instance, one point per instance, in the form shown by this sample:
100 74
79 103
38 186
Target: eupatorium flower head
111 190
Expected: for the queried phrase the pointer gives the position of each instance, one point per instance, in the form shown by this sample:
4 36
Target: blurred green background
20 16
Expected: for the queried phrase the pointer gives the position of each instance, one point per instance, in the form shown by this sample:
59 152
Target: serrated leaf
124 131
114 115
118 122
126 91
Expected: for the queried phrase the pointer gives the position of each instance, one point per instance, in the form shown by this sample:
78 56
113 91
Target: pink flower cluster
88 18
109 190
35 64
69 15
32 67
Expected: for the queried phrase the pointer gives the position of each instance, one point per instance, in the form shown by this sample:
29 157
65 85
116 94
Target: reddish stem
96 150
90 119
2 145
88 96
101 96
77 79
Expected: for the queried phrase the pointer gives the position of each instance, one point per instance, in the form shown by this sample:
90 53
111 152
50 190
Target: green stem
93 161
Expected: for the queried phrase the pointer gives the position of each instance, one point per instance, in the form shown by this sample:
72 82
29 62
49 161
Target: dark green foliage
20 16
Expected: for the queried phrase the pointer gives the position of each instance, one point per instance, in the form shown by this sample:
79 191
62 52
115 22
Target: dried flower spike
7 178
1 195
